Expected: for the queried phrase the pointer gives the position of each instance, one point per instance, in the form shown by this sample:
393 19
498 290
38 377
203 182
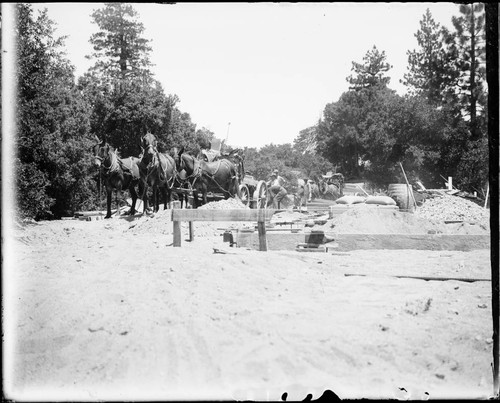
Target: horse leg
143 191
164 192
155 198
119 200
108 202
204 193
133 194
196 202
167 198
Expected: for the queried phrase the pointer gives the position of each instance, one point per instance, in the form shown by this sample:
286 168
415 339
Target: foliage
52 123
204 138
437 130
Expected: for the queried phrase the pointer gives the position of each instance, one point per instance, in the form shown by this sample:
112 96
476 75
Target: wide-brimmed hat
275 172
328 175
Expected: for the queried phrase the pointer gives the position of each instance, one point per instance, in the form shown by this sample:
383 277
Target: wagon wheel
260 195
244 194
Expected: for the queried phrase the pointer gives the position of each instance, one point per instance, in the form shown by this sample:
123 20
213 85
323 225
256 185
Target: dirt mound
375 221
160 222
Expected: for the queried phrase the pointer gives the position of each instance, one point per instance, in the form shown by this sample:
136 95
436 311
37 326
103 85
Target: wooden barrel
403 195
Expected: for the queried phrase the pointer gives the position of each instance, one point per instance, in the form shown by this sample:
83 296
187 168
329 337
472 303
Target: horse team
165 174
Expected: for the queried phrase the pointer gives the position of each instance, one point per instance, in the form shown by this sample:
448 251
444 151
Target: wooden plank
349 242
259 215
425 278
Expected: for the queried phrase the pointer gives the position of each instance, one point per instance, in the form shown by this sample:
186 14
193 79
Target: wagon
252 192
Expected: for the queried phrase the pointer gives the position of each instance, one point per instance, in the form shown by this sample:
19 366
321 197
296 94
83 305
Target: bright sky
259 73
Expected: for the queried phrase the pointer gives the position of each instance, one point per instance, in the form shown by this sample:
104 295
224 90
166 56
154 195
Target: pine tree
370 73
468 44
121 51
431 70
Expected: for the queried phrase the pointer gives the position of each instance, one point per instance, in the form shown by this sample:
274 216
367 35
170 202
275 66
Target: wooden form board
350 242
222 215
261 216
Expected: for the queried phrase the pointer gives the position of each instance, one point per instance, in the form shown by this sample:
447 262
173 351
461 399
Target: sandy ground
110 310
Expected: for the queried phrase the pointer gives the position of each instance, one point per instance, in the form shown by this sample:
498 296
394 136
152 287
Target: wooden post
191 231
177 226
177 233
410 190
190 215
261 226
487 195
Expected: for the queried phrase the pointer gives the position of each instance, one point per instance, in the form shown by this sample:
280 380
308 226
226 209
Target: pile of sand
378 221
161 223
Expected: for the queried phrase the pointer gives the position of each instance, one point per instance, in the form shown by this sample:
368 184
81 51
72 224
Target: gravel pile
452 208
228 204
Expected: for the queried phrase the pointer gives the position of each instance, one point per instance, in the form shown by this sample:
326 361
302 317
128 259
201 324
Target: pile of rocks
445 207
231 203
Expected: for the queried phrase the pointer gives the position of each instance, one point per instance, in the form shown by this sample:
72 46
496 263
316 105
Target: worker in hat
303 193
277 190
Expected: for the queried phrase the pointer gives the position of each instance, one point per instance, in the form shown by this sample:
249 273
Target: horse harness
116 164
198 172
155 164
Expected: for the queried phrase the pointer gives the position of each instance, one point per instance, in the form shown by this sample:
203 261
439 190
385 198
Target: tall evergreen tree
127 100
468 43
431 68
119 48
371 72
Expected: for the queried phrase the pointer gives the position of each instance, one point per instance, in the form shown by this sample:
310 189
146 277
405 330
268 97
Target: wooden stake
261 225
177 225
191 231
408 184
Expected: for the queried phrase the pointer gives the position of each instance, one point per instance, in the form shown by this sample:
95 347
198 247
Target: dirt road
110 310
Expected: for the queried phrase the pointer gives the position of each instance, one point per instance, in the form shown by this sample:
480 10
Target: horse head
100 151
177 155
149 145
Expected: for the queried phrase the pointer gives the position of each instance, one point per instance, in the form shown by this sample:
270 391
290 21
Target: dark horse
118 173
218 176
158 170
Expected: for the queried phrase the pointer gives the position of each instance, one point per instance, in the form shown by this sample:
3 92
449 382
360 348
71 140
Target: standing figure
276 188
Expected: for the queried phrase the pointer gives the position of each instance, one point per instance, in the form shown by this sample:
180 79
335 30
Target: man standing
276 189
